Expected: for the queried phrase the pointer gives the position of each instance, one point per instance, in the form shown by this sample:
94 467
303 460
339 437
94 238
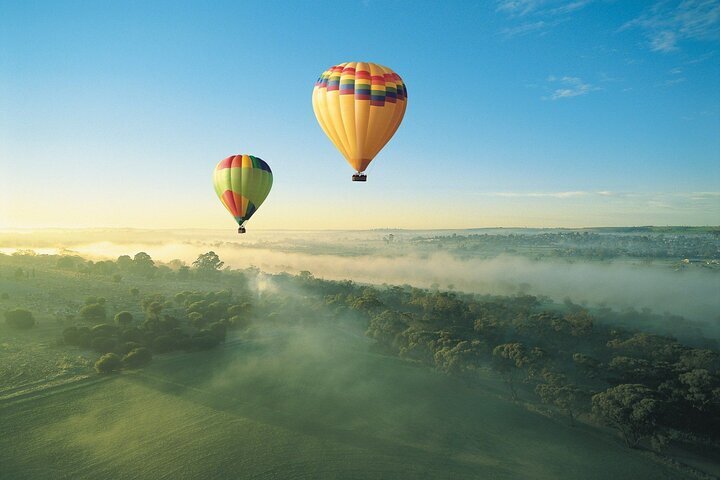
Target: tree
630 408
117 278
153 310
20 318
234 310
123 318
239 322
103 344
104 330
66 263
700 389
95 312
176 264
387 327
108 363
137 357
196 319
134 291
124 262
143 264
183 272
71 336
507 358
204 340
164 344
556 391
208 263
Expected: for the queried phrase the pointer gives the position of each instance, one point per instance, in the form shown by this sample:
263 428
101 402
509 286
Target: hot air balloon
242 182
359 106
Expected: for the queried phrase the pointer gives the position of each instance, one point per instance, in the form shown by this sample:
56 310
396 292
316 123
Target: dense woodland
702 246
595 367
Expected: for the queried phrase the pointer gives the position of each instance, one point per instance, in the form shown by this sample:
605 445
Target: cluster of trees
644 385
140 264
192 321
20 318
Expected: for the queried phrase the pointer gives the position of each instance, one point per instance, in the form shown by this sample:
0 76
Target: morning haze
524 283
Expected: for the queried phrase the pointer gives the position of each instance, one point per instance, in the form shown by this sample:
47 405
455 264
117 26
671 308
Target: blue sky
520 113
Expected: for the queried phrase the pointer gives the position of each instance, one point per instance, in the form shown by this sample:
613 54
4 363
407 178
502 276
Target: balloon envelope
242 182
359 106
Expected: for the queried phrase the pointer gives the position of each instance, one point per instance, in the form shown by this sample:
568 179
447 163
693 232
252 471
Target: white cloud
570 87
521 8
654 198
523 29
518 7
673 81
537 16
667 23
664 41
538 194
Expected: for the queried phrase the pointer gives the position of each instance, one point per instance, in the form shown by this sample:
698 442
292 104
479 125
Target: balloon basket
241 230
358 177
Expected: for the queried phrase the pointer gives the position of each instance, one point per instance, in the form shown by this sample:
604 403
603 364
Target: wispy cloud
538 194
657 197
569 87
524 29
518 7
521 8
667 23
537 16
671 82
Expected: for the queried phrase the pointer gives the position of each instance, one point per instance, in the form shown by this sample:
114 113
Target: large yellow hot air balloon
359 106
242 182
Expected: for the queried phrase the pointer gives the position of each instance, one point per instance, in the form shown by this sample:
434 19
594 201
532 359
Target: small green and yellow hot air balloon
242 182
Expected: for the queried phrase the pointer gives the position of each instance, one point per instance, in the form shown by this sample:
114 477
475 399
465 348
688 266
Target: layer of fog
693 293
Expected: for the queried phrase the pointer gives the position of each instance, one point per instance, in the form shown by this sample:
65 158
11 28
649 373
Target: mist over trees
579 364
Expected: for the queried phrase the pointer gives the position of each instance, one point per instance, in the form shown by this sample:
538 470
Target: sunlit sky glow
521 113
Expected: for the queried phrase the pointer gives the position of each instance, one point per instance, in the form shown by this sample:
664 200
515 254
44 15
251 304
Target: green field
298 404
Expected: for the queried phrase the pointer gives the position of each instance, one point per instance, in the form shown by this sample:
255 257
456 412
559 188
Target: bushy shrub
196 320
164 344
197 307
84 337
71 336
103 344
4 296
94 312
117 278
239 323
104 330
137 357
219 329
127 347
20 318
204 340
132 334
108 363
123 318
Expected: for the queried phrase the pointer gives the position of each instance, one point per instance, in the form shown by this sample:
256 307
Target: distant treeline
671 245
